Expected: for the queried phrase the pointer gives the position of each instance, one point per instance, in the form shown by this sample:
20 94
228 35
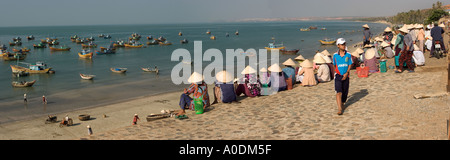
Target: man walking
342 61
367 34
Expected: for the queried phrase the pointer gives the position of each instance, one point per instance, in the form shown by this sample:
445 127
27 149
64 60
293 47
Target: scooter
438 52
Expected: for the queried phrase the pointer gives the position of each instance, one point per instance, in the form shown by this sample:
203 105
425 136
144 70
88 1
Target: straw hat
289 62
275 68
224 77
416 48
318 59
404 29
388 29
355 53
368 46
327 59
359 51
442 25
370 53
195 78
306 64
300 57
409 27
384 44
326 53
365 26
263 70
419 26
378 39
248 70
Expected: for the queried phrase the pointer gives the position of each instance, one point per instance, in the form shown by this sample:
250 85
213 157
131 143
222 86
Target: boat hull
17 69
327 42
86 56
26 84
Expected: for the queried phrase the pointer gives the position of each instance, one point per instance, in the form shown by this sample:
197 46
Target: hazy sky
92 12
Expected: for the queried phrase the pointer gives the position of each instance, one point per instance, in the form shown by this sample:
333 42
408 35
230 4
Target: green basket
198 104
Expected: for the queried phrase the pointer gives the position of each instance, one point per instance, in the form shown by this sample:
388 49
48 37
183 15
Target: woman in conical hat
323 72
250 86
388 35
367 35
356 57
327 57
277 81
289 73
371 61
224 88
299 58
308 74
199 91
264 79
387 50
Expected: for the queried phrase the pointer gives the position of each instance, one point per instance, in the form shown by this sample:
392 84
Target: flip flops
181 117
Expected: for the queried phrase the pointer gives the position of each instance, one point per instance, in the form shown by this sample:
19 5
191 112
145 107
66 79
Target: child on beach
342 61
44 100
135 119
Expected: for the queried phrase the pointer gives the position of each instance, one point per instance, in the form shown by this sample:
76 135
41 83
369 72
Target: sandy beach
381 106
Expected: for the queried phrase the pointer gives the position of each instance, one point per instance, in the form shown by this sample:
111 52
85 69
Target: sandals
181 117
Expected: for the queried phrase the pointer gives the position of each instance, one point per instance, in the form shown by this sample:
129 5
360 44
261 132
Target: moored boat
291 51
273 46
13 57
62 48
23 84
133 46
118 70
86 76
165 43
213 37
305 29
39 67
156 70
40 45
85 55
327 41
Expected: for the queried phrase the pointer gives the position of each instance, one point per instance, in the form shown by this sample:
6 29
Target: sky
102 12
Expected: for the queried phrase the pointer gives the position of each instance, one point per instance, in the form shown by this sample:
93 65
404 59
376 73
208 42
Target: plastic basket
362 71
383 66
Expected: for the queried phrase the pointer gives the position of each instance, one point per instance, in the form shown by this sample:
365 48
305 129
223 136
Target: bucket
198 104
362 71
383 66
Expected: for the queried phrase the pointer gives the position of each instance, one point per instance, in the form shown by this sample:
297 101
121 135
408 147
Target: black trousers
341 86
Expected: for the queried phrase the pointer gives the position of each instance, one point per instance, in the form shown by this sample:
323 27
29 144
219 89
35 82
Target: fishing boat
24 49
236 33
107 37
23 83
30 37
150 37
323 28
273 46
213 37
110 48
62 48
161 38
54 42
15 43
305 29
13 57
184 41
101 35
133 45
312 27
73 38
118 70
165 43
180 34
153 42
156 70
39 67
118 44
327 41
86 76
106 51
40 45
291 51
208 32
85 54
90 45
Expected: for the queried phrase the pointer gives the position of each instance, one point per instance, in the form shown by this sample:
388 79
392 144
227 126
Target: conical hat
368 46
442 25
326 53
327 59
306 64
378 39
404 29
318 59
388 29
416 48
195 78
370 53
275 68
384 44
365 26
300 57
248 70
224 77
289 62
355 53
359 51
263 70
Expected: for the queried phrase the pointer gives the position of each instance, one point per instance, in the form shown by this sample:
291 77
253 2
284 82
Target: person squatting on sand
199 89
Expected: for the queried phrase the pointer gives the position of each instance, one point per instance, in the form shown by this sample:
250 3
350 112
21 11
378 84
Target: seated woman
308 74
356 56
418 57
327 57
387 50
199 89
323 73
371 61
249 84
289 73
299 59
264 79
224 88
277 81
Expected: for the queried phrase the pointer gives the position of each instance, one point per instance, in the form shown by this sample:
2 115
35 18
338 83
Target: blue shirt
289 72
341 63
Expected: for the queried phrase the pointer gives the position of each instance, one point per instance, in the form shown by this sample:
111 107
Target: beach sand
379 107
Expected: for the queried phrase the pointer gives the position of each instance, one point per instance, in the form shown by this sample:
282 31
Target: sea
66 91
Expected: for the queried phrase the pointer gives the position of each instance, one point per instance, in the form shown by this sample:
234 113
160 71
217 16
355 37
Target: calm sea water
66 91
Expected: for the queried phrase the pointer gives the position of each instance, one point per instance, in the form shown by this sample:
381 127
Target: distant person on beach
135 119
44 99
436 34
398 43
327 57
367 34
89 130
420 37
199 89
25 98
388 35
342 61
407 51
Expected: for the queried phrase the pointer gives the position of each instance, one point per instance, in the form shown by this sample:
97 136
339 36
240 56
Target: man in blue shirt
342 61
436 33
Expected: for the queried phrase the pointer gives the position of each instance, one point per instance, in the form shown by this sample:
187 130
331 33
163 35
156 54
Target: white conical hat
365 26
388 29
306 64
384 44
370 53
318 59
263 70
224 77
275 68
416 48
299 57
289 62
355 53
404 29
248 70
326 53
195 78
442 25
327 59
